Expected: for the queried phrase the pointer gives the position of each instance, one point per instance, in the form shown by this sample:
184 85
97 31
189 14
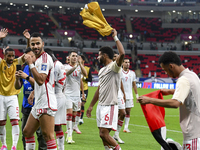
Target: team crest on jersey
44 67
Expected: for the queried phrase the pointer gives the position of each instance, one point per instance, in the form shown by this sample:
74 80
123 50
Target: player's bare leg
47 127
31 126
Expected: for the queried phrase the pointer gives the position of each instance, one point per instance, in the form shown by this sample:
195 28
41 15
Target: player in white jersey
129 81
186 97
42 113
109 80
121 107
72 93
60 116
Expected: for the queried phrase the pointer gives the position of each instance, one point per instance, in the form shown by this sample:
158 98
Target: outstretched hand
3 33
114 33
26 34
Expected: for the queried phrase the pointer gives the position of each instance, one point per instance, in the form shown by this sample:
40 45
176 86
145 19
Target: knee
47 136
25 132
122 115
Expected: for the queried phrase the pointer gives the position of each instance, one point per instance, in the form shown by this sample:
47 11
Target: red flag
154 114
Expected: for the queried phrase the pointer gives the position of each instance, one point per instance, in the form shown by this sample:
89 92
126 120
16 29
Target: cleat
77 130
126 131
81 121
3 147
13 148
69 140
117 138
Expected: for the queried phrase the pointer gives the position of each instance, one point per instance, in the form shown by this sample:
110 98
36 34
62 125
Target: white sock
73 124
60 142
107 148
3 135
127 119
69 128
15 134
77 120
119 126
51 145
30 143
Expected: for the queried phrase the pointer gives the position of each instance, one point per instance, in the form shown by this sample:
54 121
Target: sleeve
20 60
134 77
89 79
182 89
0 60
115 67
46 66
56 73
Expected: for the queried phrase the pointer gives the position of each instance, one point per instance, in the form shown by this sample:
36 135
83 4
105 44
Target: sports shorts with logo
121 103
9 105
37 113
73 103
107 116
129 103
193 144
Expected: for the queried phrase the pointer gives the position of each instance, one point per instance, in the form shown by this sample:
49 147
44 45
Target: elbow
40 83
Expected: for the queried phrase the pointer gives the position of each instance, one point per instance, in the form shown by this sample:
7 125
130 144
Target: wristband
137 95
27 78
115 38
31 66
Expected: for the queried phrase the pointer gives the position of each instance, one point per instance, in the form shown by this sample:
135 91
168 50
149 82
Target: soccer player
25 78
43 112
60 116
107 91
8 94
129 81
186 96
85 80
72 93
121 106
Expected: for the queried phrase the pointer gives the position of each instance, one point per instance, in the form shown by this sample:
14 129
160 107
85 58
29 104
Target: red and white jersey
44 94
72 86
127 79
60 76
120 94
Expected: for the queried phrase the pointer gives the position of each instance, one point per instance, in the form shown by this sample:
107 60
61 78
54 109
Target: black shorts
86 95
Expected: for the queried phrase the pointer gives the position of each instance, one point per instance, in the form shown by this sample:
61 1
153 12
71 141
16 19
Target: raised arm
120 48
3 33
83 71
27 36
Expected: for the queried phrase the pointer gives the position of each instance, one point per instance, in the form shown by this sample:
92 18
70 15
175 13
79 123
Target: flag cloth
93 18
155 118
154 114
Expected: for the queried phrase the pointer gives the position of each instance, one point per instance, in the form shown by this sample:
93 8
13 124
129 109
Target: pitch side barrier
148 83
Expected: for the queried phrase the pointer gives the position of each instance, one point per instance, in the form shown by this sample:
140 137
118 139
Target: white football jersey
44 94
120 94
72 86
127 79
60 76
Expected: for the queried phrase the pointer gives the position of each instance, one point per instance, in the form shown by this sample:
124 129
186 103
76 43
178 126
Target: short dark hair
107 50
28 50
72 52
170 58
36 34
83 57
9 49
125 59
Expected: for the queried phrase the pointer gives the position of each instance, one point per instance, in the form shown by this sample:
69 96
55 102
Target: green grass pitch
140 138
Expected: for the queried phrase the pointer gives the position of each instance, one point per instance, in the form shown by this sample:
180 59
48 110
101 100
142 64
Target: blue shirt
27 89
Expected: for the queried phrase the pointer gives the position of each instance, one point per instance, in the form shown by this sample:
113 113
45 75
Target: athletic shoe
77 130
117 138
69 140
81 121
66 132
126 131
13 148
3 147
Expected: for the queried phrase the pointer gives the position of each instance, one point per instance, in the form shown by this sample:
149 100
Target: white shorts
9 105
73 103
60 116
193 144
121 103
37 113
129 103
107 116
